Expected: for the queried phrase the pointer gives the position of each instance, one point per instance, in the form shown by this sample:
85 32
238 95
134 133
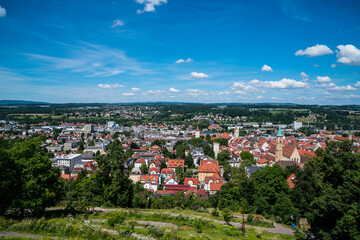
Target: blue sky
283 51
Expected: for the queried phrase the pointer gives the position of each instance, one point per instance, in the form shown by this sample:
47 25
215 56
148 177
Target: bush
250 218
197 224
227 216
155 232
215 213
117 218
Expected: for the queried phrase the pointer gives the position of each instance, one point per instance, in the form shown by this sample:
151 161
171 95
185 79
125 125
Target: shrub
117 218
215 213
197 224
227 216
155 232
250 218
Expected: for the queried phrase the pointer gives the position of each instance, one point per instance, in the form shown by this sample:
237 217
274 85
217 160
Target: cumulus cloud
242 88
134 89
149 5
198 75
317 50
316 65
195 92
304 76
266 68
110 86
2 12
173 90
117 22
348 54
334 87
128 94
184 61
282 84
259 97
333 65
320 79
357 84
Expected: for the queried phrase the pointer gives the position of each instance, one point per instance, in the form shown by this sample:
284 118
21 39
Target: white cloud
334 87
150 5
304 76
134 89
128 94
195 92
282 84
317 50
154 92
117 22
198 75
2 12
333 65
173 90
306 98
259 97
110 86
266 68
348 54
276 98
357 84
242 88
184 61
316 65
322 79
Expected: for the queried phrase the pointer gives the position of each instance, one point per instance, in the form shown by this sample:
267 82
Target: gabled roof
215 186
290 180
194 180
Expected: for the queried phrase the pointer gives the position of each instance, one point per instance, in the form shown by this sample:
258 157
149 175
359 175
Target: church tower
197 132
279 146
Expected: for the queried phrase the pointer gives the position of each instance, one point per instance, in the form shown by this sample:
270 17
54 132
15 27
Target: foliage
227 215
28 180
117 218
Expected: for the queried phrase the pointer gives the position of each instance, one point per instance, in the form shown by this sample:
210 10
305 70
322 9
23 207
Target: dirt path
278 228
29 235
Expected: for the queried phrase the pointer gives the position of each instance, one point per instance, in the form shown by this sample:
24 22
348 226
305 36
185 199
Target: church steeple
279 132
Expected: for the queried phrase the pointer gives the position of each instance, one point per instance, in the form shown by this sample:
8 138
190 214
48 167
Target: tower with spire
197 132
236 133
279 146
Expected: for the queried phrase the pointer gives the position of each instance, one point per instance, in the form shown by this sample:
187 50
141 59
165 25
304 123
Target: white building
297 125
68 160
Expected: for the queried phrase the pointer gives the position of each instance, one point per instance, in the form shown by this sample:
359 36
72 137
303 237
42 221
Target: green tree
144 168
189 161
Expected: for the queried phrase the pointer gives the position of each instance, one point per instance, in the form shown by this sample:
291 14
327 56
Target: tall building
111 124
216 148
279 146
197 132
89 128
297 125
236 133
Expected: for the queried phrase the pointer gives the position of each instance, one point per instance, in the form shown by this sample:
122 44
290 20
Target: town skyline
135 51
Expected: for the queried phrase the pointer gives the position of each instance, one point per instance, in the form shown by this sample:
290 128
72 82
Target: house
207 169
154 171
135 174
150 182
214 187
290 181
166 173
172 181
140 162
155 164
215 178
174 163
155 149
193 182
179 187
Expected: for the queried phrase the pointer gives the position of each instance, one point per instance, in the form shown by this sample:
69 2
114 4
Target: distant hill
20 102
